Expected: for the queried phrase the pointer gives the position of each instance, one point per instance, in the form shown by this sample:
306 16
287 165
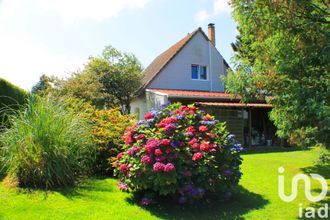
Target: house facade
190 71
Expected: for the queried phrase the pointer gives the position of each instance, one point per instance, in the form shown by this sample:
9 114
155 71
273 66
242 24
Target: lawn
255 198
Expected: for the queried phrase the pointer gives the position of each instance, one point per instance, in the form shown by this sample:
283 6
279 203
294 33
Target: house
190 72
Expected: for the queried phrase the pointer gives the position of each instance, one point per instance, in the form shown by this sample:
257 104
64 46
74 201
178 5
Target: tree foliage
106 81
283 52
123 76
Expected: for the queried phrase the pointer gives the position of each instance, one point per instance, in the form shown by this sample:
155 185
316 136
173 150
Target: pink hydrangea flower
165 142
122 186
140 137
151 146
193 141
146 160
205 146
158 152
169 167
124 167
120 155
197 156
148 115
203 128
159 167
129 140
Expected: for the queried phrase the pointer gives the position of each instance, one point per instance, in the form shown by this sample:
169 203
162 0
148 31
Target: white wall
139 106
177 74
155 100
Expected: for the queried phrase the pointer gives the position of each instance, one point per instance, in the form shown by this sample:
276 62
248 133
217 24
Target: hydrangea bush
180 151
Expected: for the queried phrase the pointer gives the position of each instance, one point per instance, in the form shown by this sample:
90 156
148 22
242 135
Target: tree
86 85
282 52
120 75
45 85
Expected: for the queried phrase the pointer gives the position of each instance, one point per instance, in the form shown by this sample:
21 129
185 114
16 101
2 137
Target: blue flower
180 117
208 122
141 122
231 137
175 143
154 113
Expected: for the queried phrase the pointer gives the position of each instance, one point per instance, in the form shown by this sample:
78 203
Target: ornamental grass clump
46 146
179 151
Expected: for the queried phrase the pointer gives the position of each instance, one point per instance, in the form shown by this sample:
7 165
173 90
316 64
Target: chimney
211 33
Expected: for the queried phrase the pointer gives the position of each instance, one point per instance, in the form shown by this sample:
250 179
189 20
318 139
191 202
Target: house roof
230 104
194 94
163 59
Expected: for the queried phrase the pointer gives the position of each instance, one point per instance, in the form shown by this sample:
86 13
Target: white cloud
202 16
220 6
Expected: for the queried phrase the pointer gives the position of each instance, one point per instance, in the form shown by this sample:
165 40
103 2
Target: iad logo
294 186
310 212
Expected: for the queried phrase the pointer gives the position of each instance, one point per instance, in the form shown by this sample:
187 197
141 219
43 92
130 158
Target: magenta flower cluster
179 150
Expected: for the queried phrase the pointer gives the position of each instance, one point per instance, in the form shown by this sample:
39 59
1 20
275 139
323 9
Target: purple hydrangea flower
145 201
187 173
170 127
175 143
186 188
182 200
228 172
133 150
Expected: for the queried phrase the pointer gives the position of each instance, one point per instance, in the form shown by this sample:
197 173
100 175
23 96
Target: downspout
210 67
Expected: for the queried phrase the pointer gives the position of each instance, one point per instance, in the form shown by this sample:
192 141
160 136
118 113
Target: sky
56 37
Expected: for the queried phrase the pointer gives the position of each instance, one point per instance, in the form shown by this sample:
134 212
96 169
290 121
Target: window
198 72
194 71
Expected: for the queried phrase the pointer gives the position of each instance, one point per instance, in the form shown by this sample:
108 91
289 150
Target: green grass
256 198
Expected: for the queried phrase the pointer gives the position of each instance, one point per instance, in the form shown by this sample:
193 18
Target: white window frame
198 73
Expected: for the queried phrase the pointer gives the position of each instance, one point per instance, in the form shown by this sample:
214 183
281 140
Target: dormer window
198 72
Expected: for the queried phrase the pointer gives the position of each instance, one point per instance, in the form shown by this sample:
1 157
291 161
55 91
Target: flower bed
181 151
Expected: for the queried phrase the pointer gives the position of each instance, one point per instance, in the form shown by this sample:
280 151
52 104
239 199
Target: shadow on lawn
241 203
87 186
323 170
263 150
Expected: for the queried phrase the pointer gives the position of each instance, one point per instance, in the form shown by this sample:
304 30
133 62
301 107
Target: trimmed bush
47 146
11 98
179 151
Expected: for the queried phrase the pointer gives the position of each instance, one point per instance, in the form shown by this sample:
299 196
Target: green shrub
47 146
179 151
107 129
11 97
